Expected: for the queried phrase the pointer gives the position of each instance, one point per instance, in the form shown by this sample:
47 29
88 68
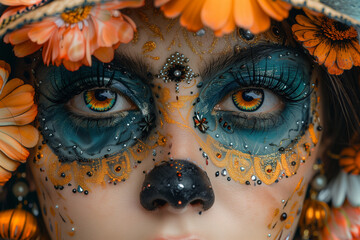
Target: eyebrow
214 66
135 65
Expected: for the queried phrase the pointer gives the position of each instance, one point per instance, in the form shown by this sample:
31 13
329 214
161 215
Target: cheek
264 211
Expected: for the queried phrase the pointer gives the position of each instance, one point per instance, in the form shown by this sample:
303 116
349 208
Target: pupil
250 95
103 94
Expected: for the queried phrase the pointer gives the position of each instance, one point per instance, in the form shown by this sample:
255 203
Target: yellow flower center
77 15
337 31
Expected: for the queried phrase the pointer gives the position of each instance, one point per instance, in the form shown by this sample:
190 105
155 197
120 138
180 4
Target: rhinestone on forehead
177 70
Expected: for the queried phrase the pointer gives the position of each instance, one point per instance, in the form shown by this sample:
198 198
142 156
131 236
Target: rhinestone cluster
177 70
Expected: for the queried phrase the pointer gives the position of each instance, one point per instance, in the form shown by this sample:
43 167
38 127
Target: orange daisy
223 16
332 43
350 160
74 36
17 111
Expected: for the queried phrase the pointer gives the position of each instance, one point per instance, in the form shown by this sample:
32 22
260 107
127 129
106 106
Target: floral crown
70 32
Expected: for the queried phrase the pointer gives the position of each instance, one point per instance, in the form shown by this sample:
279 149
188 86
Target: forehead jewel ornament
177 70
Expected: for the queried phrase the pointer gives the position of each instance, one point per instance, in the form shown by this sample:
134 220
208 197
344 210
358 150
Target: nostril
158 203
177 183
197 202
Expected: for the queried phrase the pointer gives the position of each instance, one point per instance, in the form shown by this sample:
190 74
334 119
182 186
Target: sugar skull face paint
76 108
261 112
246 122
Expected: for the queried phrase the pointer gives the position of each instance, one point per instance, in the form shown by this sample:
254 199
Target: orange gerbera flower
222 16
350 160
74 36
332 43
17 110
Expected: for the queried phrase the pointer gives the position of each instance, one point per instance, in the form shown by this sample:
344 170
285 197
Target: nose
177 183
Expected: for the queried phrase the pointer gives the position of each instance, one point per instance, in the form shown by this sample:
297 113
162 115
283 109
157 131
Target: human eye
259 105
100 103
253 107
94 112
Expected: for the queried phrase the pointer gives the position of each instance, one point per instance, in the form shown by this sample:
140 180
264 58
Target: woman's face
182 136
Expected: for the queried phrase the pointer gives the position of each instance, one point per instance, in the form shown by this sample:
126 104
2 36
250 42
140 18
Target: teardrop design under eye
100 100
248 100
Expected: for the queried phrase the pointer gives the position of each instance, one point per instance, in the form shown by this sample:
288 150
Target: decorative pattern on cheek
114 168
283 218
175 69
79 175
254 170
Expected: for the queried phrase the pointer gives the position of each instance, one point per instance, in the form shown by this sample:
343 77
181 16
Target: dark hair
341 110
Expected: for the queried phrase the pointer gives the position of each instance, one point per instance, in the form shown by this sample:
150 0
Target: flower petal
215 15
339 189
335 70
322 51
173 8
27 135
105 54
311 42
353 191
261 19
4 176
304 21
19 36
126 32
227 28
26 48
343 59
355 52
299 34
42 31
76 50
5 70
191 16
7 163
242 13
274 9
330 60
12 148
17 103
21 119
72 66
19 2
10 86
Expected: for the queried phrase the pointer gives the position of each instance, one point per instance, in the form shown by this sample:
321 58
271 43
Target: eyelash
274 83
64 90
265 122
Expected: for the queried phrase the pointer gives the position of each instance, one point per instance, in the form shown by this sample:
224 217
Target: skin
114 211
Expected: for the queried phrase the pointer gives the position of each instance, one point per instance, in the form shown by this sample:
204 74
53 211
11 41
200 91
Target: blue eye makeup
94 112
260 104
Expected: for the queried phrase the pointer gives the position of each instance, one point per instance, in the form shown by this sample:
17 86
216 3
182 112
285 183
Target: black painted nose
177 183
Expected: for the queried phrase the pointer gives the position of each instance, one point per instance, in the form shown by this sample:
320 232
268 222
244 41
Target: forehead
158 37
